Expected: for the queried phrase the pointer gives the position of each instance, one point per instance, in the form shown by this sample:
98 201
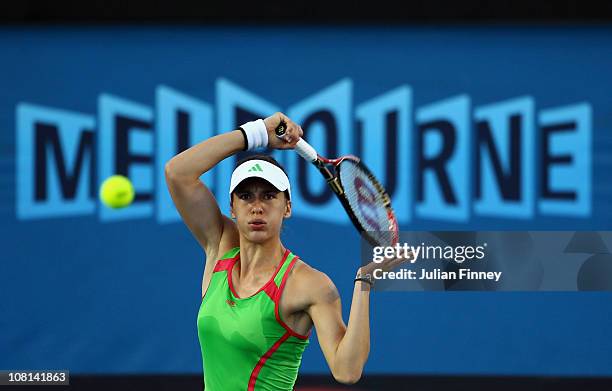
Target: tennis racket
363 197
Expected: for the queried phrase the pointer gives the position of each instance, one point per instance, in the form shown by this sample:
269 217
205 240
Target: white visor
260 169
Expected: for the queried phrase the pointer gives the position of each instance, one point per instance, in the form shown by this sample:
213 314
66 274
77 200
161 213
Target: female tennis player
259 300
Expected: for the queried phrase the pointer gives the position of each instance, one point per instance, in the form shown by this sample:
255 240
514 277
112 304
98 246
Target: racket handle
306 151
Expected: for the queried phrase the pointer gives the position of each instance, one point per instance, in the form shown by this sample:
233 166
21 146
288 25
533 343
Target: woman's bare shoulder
308 282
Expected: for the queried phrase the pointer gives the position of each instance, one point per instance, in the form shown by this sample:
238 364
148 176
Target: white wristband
256 134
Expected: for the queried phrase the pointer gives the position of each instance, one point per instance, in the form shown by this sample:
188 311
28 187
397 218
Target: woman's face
259 209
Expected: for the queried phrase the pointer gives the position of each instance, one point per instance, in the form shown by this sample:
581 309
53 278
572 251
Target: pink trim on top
220 265
263 359
279 292
270 290
265 287
224 264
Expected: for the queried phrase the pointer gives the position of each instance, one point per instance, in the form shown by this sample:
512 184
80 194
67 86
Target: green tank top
245 344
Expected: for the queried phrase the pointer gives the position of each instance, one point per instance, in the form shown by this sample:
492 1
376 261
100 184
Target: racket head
367 203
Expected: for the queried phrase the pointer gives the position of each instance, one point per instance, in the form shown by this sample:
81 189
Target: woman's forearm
193 162
354 348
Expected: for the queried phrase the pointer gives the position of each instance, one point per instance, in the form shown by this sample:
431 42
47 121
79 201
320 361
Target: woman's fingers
293 134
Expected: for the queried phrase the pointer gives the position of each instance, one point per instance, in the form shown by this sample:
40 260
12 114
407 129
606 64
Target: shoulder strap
227 260
278 279
231 253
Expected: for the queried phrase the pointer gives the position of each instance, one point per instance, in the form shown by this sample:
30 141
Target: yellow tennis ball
117 192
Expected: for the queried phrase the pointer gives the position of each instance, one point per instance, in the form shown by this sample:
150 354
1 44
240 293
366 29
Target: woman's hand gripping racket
363 197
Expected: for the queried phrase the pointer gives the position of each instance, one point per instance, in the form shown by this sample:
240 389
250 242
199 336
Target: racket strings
369 202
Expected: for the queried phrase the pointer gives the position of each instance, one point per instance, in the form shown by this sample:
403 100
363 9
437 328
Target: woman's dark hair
266 158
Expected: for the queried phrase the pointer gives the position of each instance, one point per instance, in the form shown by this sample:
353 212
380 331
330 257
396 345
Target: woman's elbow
168 168
170 172
348 377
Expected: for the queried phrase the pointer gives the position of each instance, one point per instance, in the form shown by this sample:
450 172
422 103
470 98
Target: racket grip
306 151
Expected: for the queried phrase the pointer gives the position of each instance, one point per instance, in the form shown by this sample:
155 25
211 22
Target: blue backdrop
100 291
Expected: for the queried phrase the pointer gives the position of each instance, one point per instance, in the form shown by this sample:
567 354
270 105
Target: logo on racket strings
366 203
